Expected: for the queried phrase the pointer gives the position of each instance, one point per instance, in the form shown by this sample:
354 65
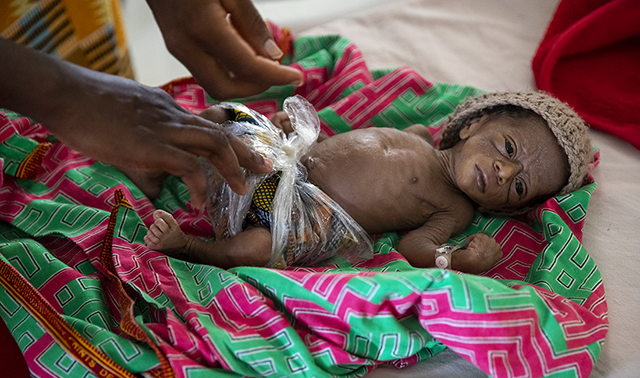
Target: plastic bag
307 227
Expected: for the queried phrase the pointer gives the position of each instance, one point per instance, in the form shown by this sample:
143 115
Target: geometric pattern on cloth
65 336
87 33
540 311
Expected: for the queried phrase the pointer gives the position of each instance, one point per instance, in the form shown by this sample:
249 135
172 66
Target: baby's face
506 163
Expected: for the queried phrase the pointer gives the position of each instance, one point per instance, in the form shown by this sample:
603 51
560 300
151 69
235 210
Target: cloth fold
589 58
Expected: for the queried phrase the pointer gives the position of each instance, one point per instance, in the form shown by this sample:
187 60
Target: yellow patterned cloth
89 33
322 235
326 225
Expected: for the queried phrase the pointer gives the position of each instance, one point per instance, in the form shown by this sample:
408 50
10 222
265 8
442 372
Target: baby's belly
379 192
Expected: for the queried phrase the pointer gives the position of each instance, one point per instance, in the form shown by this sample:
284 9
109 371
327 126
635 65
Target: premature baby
499 152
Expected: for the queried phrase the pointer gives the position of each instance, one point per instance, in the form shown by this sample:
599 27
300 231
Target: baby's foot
165 235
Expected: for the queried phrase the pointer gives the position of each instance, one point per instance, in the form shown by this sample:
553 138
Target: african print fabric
89 33
83 295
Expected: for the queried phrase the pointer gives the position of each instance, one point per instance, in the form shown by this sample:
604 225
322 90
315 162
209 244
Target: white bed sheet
489 44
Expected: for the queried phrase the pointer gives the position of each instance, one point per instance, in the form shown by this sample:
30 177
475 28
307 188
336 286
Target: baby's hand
215 113
481 253
281 120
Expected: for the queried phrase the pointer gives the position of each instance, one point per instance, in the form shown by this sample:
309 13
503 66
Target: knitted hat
570 130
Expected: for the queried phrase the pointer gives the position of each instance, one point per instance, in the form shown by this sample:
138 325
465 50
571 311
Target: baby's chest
399 207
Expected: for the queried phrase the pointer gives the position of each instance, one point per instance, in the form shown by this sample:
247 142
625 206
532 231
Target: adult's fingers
228 153
251 76
205 138
223 43
244 65
247 20
222 61
218 81
226 162
199 137
248 158
221 83
183 164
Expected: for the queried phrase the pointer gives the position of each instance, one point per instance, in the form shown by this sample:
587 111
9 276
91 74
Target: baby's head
513 150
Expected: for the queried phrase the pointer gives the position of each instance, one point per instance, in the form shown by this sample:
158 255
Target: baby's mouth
481 179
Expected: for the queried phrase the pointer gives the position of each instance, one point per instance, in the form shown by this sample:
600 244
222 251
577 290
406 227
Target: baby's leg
250 247
215 114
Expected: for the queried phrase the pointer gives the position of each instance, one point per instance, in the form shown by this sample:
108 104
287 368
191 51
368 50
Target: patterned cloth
298 249
89 33
81 292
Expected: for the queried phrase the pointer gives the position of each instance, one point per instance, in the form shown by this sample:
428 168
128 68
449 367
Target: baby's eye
519 187
508 147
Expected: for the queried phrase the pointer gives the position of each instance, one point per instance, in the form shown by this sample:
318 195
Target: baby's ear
472 126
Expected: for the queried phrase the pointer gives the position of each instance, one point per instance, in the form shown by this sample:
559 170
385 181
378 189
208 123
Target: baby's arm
281 120
419 246
422 131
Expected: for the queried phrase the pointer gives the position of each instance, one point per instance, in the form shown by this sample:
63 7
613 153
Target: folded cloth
589 58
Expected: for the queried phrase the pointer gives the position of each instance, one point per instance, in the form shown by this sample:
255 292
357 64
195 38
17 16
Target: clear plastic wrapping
307 226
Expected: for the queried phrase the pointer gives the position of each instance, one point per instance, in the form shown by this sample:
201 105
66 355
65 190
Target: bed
458 47
490 45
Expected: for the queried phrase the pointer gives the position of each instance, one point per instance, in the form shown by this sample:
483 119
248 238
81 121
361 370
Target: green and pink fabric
82 293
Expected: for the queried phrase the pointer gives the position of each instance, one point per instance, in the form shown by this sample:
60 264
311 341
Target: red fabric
11 360
590 58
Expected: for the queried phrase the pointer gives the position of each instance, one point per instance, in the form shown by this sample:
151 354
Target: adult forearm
119 121
30 80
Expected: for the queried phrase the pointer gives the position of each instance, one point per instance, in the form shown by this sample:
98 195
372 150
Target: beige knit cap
570 130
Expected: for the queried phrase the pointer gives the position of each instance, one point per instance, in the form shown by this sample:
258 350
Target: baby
500 152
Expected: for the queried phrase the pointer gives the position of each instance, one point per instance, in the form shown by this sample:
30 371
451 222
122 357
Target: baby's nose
505 170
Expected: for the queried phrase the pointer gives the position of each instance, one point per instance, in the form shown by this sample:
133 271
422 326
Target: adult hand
121 122
124 123
224 44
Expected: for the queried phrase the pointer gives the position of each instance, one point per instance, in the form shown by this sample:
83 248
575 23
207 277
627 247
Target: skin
91 112
142 129
229 59
392 180
506 184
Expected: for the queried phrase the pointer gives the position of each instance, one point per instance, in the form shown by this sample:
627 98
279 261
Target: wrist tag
443 255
